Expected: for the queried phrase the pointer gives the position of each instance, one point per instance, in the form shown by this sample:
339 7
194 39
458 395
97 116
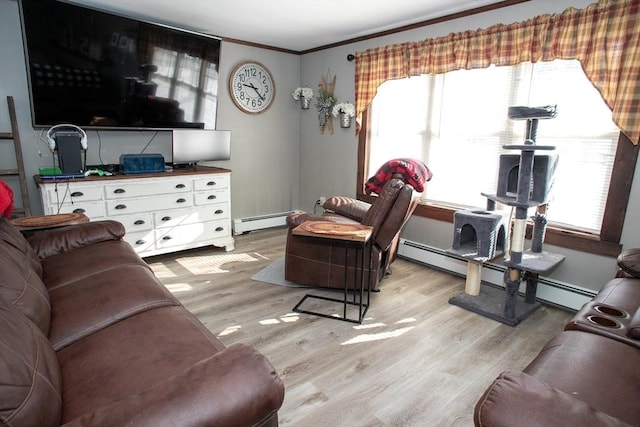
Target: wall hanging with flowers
346 111
304 95
326 101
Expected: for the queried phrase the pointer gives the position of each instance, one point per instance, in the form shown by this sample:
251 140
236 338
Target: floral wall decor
346 111
304 95
326 101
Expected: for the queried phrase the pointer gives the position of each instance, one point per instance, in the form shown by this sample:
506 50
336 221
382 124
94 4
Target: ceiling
296 25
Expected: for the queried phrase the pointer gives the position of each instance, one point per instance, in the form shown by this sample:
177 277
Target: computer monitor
191 146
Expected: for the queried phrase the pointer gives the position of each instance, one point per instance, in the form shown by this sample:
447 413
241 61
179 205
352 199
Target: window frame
607 243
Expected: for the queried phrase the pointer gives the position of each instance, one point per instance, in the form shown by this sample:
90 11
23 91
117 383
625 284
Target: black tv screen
100 70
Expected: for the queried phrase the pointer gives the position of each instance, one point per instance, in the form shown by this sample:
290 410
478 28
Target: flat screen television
191 146
101 70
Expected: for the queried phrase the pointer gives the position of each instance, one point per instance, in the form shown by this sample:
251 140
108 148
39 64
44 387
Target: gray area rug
274 275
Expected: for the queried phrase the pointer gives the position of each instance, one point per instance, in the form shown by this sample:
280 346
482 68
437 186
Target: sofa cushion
234 387
65 239
379 210
83 307
21 285
68 267
130 357
629 262
623 293
29 373
597 370
516 399
389 212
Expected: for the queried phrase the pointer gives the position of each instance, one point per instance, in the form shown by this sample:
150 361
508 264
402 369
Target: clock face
251 87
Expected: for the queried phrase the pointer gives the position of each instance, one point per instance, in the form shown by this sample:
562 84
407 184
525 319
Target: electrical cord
99 148
149 143
59 202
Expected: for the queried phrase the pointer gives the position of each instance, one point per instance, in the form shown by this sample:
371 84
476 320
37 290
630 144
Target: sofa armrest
65 239
235 387
298 218
516 398
351 208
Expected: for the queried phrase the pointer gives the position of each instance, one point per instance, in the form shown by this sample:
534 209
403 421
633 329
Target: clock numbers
251 87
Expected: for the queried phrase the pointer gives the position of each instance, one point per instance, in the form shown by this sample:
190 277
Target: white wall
336 173
265 147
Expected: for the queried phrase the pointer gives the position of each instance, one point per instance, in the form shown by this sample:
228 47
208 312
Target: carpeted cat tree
524 181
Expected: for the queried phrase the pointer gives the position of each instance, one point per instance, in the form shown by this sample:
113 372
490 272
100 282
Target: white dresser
162 212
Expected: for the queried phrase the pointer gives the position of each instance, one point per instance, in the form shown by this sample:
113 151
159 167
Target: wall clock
251 87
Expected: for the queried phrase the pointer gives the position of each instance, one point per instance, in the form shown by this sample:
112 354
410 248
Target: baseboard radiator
554 292
261 222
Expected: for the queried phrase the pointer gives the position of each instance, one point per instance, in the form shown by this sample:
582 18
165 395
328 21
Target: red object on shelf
6 199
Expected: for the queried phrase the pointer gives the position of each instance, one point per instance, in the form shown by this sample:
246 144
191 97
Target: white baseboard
550 291
261 222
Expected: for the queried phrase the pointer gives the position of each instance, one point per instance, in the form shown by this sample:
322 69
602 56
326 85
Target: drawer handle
79 210
180 186
219 228
211 197
166 218
77 194
211 183
219 211
121 207
167 238
140 242
181 200
119 191
139 222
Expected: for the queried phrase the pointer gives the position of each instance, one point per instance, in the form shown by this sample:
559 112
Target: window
457 124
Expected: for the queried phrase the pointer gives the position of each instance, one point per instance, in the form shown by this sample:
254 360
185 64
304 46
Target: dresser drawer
219 211
148 204
136 222
211 197
190 233
211 182
141 241
93 210
72 193
126 189
176 218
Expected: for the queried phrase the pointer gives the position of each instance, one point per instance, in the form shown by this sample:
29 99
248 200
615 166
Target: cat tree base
491 303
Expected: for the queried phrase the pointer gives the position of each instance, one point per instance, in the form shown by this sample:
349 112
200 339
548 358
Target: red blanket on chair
413 172
6 199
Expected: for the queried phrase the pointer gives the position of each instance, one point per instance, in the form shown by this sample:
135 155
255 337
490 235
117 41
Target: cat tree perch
524 182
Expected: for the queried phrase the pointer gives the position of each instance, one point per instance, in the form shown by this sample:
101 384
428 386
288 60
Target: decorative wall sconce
304 95
346 111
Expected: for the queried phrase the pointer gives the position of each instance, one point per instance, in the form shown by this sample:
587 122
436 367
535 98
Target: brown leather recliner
321 262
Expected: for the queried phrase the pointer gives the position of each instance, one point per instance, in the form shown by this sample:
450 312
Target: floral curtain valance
604 37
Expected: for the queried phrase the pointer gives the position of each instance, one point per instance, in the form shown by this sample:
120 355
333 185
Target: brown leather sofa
588 375
90 337
320 262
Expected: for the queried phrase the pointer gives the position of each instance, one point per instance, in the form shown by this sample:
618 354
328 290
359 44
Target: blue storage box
141 163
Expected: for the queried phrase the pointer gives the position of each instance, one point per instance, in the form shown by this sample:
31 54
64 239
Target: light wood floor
416 360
